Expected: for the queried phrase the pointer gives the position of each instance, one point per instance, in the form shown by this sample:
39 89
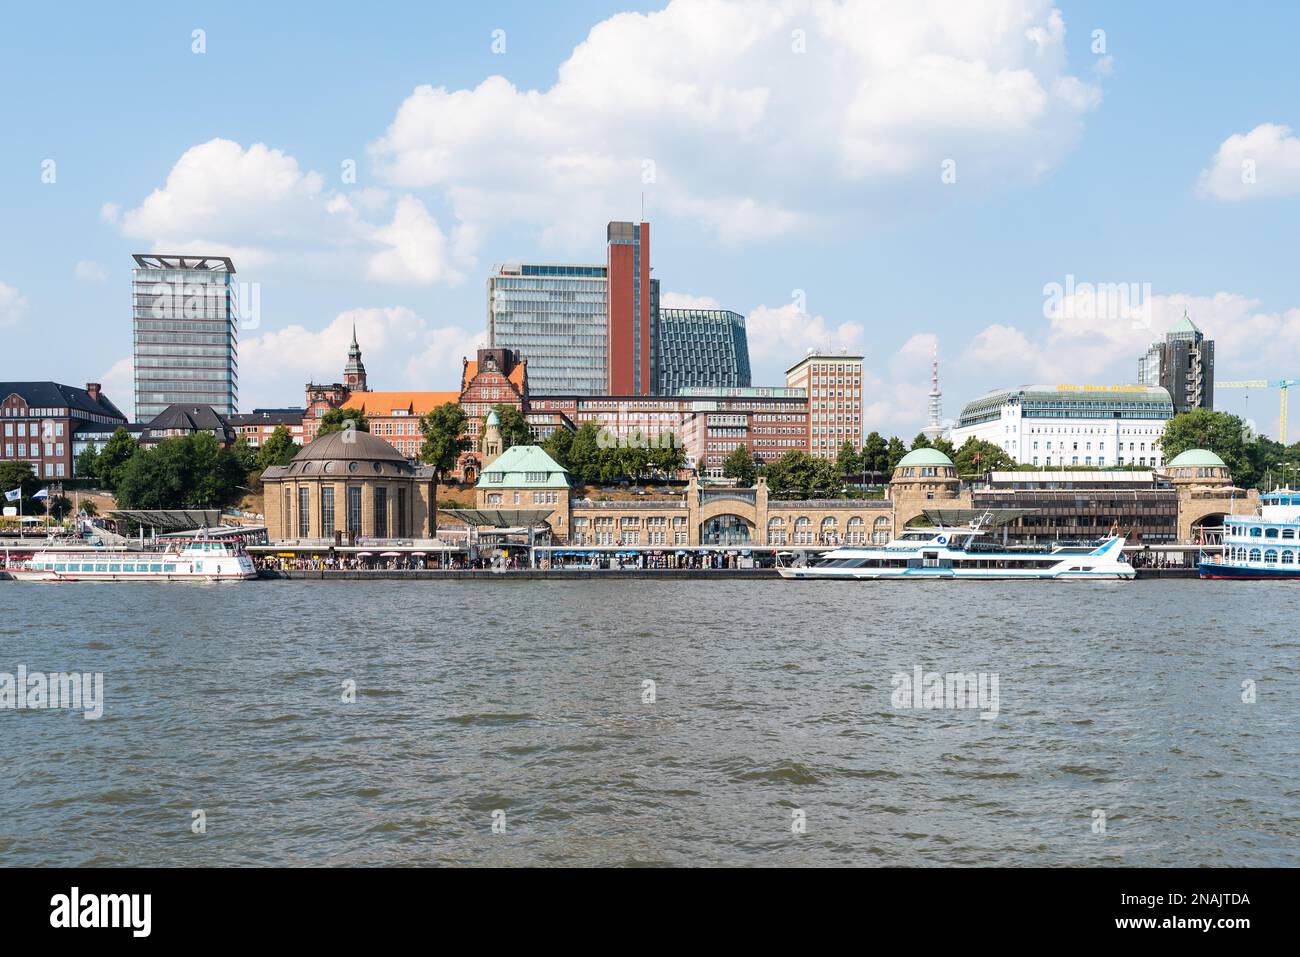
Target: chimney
92 389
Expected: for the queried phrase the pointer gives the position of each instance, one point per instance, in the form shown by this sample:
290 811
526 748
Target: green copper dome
1196 458
925 456
492 418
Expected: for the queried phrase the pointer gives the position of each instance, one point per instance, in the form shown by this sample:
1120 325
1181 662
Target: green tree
894 453
944 446
87 464
920 442
740 466
89 507
245 454
875 454
847 461
667 456
118 450
798 473
19 475
443 429
278 449
585 453
188 471
977 456
336 420
557 446
513 425
60 506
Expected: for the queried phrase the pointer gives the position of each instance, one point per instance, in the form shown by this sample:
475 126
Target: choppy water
771 698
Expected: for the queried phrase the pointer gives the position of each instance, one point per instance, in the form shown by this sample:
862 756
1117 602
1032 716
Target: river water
775 735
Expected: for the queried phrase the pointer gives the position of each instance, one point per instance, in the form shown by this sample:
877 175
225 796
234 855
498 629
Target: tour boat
1260 546
196 558
956 552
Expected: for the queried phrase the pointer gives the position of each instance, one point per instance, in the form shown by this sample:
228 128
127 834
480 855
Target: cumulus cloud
686 300
118 384
12 305
400 349
88 270
786 332
1262 163
260 207
812 114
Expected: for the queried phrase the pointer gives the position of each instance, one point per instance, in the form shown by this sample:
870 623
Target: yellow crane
1280 384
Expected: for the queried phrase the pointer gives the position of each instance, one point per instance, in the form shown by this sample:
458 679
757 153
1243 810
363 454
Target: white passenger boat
957 552
189 559
1263 546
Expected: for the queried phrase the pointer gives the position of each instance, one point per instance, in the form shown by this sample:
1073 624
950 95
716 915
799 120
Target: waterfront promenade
559 574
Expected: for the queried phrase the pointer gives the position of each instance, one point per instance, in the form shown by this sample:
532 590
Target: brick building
40 420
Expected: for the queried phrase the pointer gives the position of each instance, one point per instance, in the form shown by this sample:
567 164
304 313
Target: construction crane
1280 384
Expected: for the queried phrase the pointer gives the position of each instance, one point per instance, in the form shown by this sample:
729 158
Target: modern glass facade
702 348
184 320
555 316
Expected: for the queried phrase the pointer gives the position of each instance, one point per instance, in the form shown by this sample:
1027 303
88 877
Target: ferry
1263 546
196 558
948 552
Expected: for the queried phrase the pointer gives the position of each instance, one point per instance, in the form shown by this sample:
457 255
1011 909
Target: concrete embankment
526 574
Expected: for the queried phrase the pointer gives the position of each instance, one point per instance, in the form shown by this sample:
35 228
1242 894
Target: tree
667 456
111 462
87 464
89 507
19 475
245 454
557 446
847 461
188 471
875 454
278 449
513 425
584 453
740 466
894 453
443 429
978 456
60 506
920 442
336 420
944 446
799 473
1224 434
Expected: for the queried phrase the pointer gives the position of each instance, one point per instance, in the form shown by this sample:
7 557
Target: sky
878 177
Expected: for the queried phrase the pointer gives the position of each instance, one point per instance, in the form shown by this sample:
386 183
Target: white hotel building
1056 425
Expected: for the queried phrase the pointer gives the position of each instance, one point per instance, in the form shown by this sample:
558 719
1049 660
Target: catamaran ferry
1260 546
956 552
196 558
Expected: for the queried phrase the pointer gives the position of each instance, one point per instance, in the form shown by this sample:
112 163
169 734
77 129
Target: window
304 511
327 510
381 513
354 510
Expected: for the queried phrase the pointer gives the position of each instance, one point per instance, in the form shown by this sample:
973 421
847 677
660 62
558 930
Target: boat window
1254 555
1270 533
166 568
114 568
101 568
1270 557
1288 533
1288 558
1255 531
60 567
157 568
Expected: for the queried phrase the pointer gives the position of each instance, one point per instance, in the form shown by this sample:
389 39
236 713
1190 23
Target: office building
42 422
833 384
1055 425
185 336
633 336
1183 365
702 348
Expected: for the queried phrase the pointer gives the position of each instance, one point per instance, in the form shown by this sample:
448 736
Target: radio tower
935 429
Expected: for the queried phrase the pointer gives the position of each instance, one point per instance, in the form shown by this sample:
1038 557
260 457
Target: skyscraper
555 316
702 348
633 345
184 328
1183 365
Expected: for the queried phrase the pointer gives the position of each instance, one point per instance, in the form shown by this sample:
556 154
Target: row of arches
1267 556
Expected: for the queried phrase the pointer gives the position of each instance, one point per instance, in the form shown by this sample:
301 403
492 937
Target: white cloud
90 271
1264 162
686 300
12 305
110 213
400 350
707 92
118 384
786 332
260 207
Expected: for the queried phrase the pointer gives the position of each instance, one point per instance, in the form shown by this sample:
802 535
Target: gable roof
414 403
523 466
516 376
187 417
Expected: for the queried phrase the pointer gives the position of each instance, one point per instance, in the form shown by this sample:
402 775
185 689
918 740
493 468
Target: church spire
354 373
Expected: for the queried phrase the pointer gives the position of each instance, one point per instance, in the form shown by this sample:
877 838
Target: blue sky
802 188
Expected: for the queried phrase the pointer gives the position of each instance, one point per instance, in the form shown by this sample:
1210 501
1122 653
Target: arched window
1254 555
880 531
776 530
1270 533
856 534
828 531
1256 531
1288 557
1270 557
803 533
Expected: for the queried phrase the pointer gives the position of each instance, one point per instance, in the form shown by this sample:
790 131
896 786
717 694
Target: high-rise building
186 341
833 384
554 315
936 429
702 348
1183 365
633 338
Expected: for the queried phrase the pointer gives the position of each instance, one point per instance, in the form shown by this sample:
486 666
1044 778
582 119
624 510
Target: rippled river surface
523 703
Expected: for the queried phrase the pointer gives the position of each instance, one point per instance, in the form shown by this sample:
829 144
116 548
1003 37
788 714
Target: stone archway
727 529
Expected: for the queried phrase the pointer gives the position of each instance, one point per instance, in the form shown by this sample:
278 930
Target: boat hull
947 574
1240 573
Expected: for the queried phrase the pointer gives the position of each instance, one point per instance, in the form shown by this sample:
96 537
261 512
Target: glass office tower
555 316
184 318
702 348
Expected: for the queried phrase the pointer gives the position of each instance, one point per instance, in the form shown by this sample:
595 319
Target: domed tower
1197 467
491 438
924 478
354 373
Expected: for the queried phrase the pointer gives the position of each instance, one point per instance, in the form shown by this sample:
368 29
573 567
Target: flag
43 493
14 496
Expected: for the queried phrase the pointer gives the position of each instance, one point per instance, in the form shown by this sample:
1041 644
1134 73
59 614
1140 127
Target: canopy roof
170 519
988 517
499 517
